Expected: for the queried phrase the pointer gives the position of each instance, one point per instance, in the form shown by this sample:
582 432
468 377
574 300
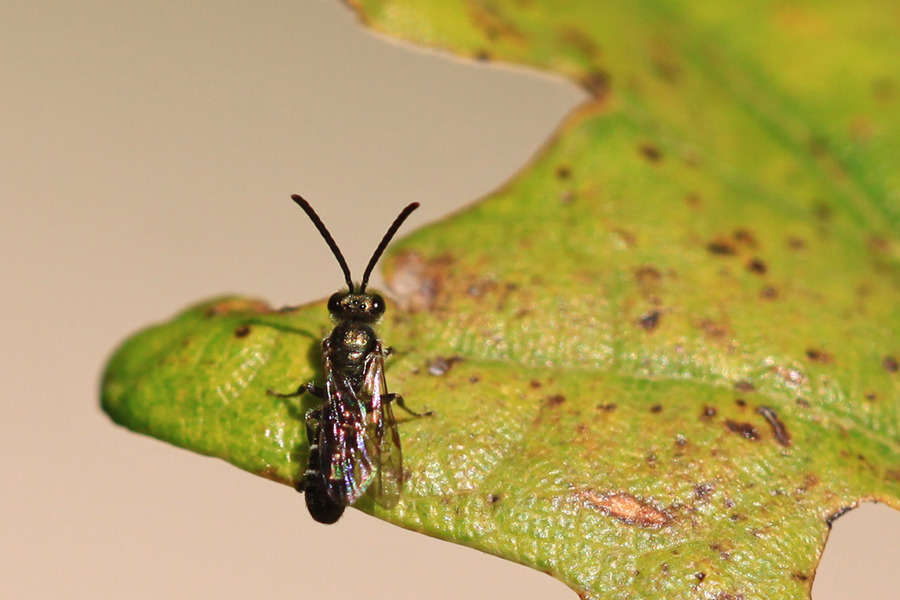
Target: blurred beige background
147 154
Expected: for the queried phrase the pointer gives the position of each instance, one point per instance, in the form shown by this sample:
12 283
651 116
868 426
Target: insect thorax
350 342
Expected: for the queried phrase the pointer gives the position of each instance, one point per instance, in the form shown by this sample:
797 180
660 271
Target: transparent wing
383 439
346 460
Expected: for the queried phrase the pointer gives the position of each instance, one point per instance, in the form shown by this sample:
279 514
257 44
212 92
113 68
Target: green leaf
664 357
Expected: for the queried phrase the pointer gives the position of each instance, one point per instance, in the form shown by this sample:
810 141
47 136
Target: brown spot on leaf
556 400
790 376
745 237
700 576
799 576
627 509
816 355
781 433
708 413
703 491
890 364
607 407
757 267
242 331
744 386
598 84
493 498
740 402
647 275
649 321
721 247
768 293
795 243
871 396
474 379
563 172
745 430
656 408
651 152
534 383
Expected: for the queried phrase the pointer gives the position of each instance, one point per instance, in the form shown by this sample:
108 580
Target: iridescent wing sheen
346 460
383 439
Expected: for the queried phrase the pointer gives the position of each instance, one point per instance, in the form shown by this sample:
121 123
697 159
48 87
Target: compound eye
377 305
336 305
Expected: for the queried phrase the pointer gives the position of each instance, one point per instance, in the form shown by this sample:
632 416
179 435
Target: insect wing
346 462
383 438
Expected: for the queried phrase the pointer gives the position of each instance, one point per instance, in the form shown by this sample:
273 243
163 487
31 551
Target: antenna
384 242
328 239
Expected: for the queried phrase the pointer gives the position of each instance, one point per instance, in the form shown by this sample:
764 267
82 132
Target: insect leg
402 404
306 388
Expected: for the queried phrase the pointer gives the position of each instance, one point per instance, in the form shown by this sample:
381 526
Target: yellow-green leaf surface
665 356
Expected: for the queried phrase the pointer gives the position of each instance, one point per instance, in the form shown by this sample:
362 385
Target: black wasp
354 445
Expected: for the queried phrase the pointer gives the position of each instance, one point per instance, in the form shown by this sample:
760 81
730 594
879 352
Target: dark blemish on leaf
890 364
474 379
745 237
693 200
721 247
652 153
493 498
708 413
871 396
778 428
242 331
700 576
483 56
656 408
723 552
713 329
799 576
441 365
745 430
822 211
680 441
768 293
478 289
744 386
647 274
535 383
664 568
741 402
790 376
795 243
757 267
567 197
649 321
734 517
627 508
817 355
563 172
598 84
607 407
651 458
556 400
703 491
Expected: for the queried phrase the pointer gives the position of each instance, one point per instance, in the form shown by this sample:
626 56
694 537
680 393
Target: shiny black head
355 304
350 306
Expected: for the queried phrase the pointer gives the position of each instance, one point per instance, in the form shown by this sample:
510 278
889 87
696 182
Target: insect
354 445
